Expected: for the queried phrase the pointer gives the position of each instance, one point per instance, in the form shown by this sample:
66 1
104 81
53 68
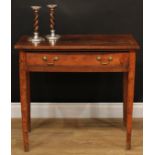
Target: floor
77 137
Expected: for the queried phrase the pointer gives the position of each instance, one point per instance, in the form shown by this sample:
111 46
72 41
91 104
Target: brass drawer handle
54 59
110 58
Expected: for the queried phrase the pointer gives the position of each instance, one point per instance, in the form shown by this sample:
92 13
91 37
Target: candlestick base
36 38
52 36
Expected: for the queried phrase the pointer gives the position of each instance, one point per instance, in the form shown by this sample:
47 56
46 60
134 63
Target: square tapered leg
24 100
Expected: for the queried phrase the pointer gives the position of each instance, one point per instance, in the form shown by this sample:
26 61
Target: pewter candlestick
52 37
36 38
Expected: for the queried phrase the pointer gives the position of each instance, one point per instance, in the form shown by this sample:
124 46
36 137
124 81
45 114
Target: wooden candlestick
36 38
52 35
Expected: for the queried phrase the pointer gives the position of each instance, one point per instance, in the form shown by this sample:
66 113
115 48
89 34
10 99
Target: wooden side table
79 53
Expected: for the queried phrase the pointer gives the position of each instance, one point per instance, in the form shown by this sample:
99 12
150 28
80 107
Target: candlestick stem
52 36
36 38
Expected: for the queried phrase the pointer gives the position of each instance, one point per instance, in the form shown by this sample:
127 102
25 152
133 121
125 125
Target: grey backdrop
79 17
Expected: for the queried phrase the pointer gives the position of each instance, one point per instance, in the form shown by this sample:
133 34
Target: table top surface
82 42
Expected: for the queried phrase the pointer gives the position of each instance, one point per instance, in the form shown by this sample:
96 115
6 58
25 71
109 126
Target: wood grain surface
77 62
77 137
83 42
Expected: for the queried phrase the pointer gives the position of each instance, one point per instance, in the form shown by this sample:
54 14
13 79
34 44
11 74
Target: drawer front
78 59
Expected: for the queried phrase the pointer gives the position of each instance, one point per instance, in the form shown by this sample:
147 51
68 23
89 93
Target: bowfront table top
83 42
78 53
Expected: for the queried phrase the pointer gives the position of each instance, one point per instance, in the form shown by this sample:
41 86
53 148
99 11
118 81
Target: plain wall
79 17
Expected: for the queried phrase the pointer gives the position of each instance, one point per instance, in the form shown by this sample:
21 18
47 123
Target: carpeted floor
77 137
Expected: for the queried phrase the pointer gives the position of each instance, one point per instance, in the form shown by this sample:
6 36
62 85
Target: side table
79 53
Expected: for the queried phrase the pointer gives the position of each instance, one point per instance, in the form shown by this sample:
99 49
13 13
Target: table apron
75 69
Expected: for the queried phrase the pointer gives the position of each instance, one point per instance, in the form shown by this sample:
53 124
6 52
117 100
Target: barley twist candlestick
36 19
36 38
52 37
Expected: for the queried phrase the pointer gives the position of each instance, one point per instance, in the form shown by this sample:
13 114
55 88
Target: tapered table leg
125 83
24 99
130 96
29 102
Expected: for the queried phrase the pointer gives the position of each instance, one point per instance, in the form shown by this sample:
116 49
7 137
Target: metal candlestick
52 37
36 38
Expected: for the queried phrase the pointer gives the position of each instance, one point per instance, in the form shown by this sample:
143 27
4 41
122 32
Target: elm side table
78 53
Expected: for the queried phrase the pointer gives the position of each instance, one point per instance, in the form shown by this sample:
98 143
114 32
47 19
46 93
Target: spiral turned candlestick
36 38
52 36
